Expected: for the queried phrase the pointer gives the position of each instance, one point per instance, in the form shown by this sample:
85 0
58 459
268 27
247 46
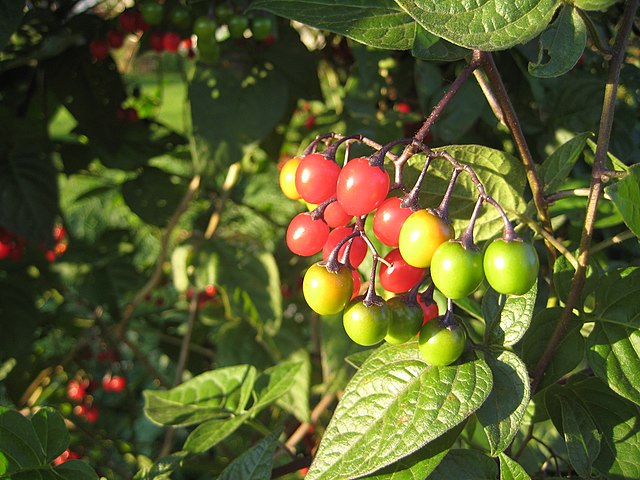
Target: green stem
596 188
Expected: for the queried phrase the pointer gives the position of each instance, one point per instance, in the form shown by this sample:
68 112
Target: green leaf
485 25
511 470
613 352
377 23
555 169
11 12
569 353
214 394
467 464
274 383
581 436
561 45
501 174
18 317
502 412
52 432
461 112
421 463
234 95
512 316
617 298
19 442
153 195
625 195
76 470
254 464
208 434
394 405
29 191
594 4
425 48
617 420
296 399
162 468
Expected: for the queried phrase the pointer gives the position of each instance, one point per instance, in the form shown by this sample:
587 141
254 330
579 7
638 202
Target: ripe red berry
316 178
64 456
156 41
89 413
128 21
361 187
115 39
306 236
59 233
399 277
335 216
388 220
76 391
403 107
114 383
99 49
171 42
358 250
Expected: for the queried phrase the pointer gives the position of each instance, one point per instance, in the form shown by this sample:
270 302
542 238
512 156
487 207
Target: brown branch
304 427
596 188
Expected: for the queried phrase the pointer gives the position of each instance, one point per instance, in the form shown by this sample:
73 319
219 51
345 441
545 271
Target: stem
229 182
501 97
599 165
615 240
466 239
443 209
574 192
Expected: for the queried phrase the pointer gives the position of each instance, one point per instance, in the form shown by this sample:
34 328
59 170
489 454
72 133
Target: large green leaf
555 169
502 413
52 432
75 470
20 443
501 173
394 405
594 4
617 298
507 316
214 394
255 463
208 434
274 383
511 470
482 24
11 12
580 435
613 352
561 45
377 23
625 195
224 106
468 464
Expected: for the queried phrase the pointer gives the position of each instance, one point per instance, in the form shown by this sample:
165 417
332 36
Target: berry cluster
422 244
66 455
12 246
129 21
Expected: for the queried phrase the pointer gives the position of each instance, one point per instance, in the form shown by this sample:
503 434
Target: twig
303 429
551 239
615 240
599 165
574 192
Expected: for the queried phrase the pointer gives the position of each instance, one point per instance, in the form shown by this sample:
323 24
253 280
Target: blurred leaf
490 25
388 405
555 169
162 468
569 353
11 12
501 174
377 23
467 464
510 316
76 470
20 443
224 106
594 4
613 352
208 395
561 45
255 463
501 414
625 194
153 195
18 317
511 470
52 432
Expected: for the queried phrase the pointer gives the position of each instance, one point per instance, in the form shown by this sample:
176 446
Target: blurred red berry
64 456
115 39
99 49
403 107
310 122
76 391
171 42
114 383
89 413
128 21
156 41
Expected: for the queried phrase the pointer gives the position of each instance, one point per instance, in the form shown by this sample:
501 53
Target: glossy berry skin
361 188
327 293
405 323
288 178
366 325
440 345
237 24
335 216
205 27
358 250
76 391
99 49
429 310
171 42
316 178
399 277
357 283
152 12
261 28
456 271
421 234
388 221
511 267
306 236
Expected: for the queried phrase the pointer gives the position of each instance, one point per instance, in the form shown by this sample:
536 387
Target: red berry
357 283
76 391
156 41
59 233
115 39
335 216
89 413
316 178
171 42
388 221
64 456
99 49
358 246
403 107
210 290
306 236
128 21
114 383
361 187
5 248
50 255
310 122
429 309
141 24
131 114
400 276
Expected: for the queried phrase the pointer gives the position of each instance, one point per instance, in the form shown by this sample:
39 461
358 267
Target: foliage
153 318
